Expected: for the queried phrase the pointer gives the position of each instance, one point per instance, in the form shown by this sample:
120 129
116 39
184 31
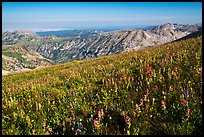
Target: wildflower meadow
152 91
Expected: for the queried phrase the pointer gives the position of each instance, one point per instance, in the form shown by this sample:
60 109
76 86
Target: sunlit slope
148 91
15 58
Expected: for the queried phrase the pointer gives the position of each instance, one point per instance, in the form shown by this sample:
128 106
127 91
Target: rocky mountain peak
9 38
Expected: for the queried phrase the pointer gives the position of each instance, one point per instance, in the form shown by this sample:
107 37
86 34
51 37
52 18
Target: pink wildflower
128 120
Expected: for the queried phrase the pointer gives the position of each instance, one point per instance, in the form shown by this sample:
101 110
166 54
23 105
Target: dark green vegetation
68 33
15 55
151 91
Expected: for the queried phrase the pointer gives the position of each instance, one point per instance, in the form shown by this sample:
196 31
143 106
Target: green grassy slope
151 91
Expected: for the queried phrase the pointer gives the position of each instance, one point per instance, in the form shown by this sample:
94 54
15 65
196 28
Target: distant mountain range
69 33
83 44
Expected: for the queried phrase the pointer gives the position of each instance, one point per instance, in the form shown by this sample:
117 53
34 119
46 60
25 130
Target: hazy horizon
42 16
79 28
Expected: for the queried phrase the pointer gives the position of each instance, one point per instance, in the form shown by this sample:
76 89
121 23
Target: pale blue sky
41 15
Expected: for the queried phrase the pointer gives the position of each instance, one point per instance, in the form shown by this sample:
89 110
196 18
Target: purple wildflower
186 94
80 125
68 95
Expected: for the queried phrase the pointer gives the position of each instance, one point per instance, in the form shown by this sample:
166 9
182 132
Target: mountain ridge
65 49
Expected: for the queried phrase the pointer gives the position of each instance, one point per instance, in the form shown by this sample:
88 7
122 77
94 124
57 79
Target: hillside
112 42
192 35
10 38
152 91
15 58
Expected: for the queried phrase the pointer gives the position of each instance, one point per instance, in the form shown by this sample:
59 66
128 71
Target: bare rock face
114 42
